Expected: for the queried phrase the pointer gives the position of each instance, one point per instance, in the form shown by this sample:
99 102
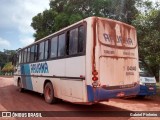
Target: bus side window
41 51
46 50
36 53
32 54
22 55
81 39
54 45
61 45
25 56
73 42
28 54
19 61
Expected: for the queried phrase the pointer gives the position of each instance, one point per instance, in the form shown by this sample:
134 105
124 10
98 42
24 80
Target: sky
15 19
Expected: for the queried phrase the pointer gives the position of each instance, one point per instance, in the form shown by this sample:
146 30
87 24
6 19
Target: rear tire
49 93
20 89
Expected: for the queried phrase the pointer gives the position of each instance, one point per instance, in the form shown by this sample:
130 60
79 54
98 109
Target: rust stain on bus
124 30
94 41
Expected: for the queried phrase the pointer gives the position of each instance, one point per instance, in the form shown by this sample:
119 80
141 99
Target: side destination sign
39 67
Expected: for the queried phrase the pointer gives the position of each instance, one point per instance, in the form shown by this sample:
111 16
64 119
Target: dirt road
12 100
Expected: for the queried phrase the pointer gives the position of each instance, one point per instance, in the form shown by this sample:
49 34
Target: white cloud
4 43
26 41
15 21
19 13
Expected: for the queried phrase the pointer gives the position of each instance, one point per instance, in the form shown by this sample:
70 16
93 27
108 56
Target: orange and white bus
90 61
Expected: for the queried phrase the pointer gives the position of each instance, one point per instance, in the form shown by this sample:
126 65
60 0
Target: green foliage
43 23
147 24
65 12
8 67
6 56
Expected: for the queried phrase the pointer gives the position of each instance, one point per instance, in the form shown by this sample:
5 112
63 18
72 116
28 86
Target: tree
44 23
65 12
8 67
147 24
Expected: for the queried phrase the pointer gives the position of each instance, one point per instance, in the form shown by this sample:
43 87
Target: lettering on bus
108 38
131 68
109 52
39 68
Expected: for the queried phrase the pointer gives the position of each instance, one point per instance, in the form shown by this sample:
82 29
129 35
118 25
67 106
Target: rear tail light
94 73
94 78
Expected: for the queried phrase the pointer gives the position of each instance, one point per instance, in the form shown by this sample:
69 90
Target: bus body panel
102 94
64 74
116 60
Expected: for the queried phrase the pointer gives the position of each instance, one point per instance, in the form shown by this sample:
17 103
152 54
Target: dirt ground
12 100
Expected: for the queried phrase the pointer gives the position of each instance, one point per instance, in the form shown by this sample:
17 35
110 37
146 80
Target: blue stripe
26 80
101 94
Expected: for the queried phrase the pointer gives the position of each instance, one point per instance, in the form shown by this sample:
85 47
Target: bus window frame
57 34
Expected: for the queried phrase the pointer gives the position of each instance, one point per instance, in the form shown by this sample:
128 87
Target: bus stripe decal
90 93
26 80
101 94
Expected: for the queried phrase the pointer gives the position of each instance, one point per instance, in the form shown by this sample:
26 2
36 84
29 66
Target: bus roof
81 21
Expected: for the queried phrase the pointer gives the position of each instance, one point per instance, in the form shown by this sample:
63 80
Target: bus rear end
115 61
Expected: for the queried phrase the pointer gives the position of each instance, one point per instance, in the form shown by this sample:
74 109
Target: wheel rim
48 92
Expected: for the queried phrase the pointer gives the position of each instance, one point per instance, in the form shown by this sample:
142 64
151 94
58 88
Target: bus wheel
20 89
49 93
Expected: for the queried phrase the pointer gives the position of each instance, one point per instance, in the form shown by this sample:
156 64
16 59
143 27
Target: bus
147 81
87 62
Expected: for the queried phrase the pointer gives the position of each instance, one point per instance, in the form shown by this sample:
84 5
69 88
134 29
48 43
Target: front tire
49 93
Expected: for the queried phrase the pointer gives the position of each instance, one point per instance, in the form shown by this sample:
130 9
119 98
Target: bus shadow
147 99
12 100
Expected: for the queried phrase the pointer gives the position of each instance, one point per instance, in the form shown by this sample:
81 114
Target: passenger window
36 53
41 51
81 39
28 54
19 61
25 56
32 54
53 52
73 41
46 50
61 46
22 56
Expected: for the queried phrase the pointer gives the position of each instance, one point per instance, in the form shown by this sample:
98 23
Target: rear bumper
144 90
101 94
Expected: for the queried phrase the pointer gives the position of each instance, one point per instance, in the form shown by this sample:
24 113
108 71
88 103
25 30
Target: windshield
144 70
